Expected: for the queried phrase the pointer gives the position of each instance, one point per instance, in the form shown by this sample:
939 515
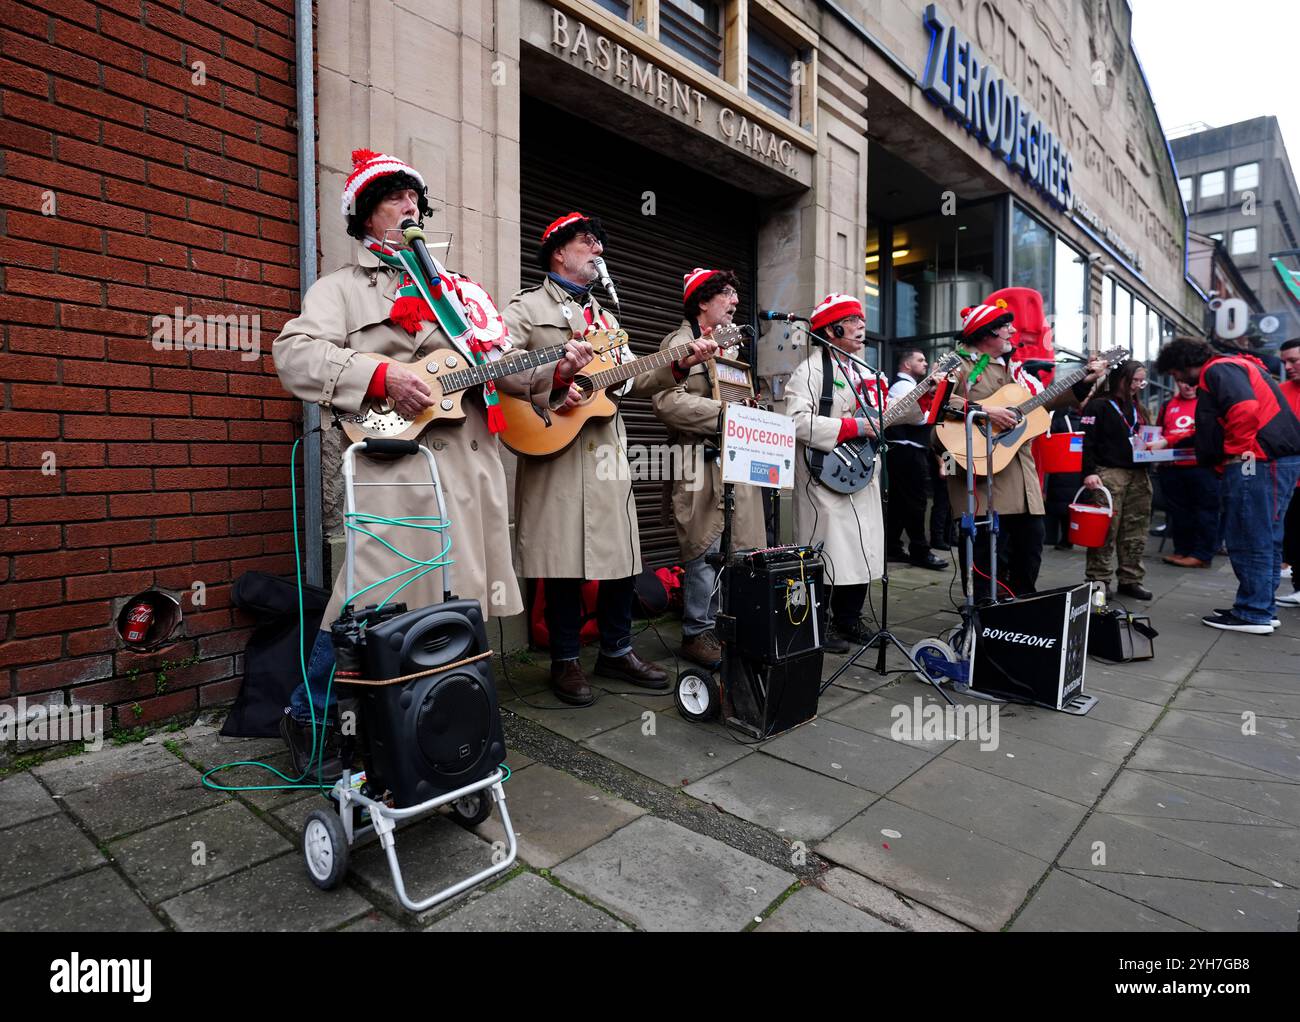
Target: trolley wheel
325 848
471 810
930 653
696 696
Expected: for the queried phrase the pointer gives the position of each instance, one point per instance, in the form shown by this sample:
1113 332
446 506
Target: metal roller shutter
698 221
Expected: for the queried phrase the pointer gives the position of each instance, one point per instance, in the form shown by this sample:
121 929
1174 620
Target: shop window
1123 318
1031 254
1069 299
1212 185
619 8
771 71
1106 327
1140 335
1245 241
694 29
872 278
940 265
1245 176
1185 186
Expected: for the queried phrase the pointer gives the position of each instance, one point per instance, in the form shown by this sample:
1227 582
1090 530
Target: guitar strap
824 406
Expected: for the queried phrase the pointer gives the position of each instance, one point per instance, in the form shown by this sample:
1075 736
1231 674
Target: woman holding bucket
1112 424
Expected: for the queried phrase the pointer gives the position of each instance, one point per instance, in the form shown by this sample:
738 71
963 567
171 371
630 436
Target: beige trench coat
850 524
575 516
1015 488
690 412
316 357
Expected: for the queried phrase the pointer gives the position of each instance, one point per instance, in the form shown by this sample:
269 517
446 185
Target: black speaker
766 699
440 731
775 599
1034 648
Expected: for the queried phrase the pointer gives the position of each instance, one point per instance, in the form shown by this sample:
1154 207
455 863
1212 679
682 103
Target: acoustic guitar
448 375
542 433
848 467
1034 418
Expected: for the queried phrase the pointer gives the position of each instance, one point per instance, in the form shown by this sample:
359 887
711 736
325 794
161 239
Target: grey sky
1220 62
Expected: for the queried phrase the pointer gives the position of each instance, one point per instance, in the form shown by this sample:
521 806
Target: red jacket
1241 410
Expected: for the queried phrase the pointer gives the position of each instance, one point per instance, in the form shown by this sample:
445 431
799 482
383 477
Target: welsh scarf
418 302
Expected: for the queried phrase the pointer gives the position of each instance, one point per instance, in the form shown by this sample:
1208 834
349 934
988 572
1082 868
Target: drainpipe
307 260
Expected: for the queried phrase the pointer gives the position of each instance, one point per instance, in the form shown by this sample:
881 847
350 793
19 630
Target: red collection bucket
1089 523
1060 452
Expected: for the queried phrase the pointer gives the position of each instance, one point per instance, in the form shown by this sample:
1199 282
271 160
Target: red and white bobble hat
368 166
835 307
976 317
561 223
692 280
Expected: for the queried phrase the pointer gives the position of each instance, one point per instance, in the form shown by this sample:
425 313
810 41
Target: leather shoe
898 555
931 562
833 642
703 649
1185 561
1133 589
569 683
632 668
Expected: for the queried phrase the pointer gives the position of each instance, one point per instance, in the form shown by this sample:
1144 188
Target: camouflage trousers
1130 491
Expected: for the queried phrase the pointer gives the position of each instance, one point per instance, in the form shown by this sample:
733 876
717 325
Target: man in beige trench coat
692 416
849 524
318 356
575 517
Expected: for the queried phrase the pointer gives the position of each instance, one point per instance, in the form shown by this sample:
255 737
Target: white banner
757 447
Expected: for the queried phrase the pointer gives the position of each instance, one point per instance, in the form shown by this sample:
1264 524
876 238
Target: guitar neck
1059 386
649 363
476 376
907 402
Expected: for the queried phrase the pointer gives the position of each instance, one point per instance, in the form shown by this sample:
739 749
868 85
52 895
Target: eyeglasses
729 292
588 239
1140 384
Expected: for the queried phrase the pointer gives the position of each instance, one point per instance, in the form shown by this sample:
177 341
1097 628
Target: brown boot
632 668
569 683
703 649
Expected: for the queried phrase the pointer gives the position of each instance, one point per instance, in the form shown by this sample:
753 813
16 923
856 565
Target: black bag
272 669
1119 637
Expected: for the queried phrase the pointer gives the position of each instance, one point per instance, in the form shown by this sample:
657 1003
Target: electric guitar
448 375
848 467
542 433
1034 418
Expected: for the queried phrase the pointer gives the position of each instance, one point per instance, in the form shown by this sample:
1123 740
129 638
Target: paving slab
527 903
1275 800
1179 724
433 854
555 815
837 750
787 799
834 697
886 904
23 799
1067 904
1128 847
809 910
1057 771
950 869
1170 756
372 922
1242 681
111 763
1239 653
1120 681
141 800
163 860
861 677
1272 852
1210 906
275 896
1088 735
1117 709
579 722
262 787
1263 704
43 850
517 761
1279 759
660 876
1001 810
214 749
676 754
96 902
1138 793
875 714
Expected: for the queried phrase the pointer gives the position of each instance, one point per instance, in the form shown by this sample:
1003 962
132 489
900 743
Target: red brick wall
170 465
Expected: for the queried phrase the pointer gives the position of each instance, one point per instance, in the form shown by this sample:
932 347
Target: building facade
1240 190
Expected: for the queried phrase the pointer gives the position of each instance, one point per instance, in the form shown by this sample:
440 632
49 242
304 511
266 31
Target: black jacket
1106 434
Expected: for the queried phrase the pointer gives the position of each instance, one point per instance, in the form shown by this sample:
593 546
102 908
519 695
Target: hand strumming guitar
410 394
1002 418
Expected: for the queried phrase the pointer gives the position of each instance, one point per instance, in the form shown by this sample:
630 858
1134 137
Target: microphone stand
882 638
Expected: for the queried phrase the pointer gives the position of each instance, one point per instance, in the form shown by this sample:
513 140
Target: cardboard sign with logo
757 447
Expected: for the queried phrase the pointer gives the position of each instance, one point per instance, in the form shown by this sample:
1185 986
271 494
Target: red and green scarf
417 303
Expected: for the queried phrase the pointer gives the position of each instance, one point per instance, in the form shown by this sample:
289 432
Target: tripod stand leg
883 638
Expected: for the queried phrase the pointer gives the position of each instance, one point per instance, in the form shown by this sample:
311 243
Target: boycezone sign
973 90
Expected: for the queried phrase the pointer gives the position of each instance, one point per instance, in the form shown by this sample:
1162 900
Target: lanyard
1132 429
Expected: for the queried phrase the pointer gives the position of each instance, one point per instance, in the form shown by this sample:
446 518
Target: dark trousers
909 479
1192 501
1291 540
1020 555
941 524
846 604
564 612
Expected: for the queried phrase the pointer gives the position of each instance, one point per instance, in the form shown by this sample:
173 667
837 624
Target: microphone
414 237
785 317
603 272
